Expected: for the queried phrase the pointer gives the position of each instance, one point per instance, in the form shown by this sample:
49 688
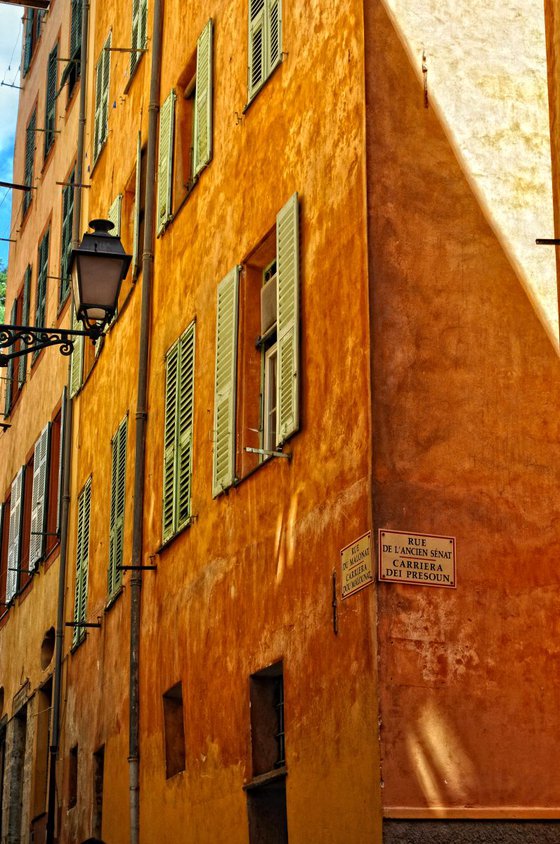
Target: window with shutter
82 563
139 31
138 210
31 33
22 365
178 433
28 40
258 342
29 160
225 384
66 238
77 360
10 385
115 214
101 121
165 162
202 133
265 41
4 525
15 536
118 496
42 273
39 498
50 100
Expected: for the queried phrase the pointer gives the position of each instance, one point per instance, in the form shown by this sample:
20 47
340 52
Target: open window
185 146
256 405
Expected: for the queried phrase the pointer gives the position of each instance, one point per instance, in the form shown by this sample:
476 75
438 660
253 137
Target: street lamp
97 267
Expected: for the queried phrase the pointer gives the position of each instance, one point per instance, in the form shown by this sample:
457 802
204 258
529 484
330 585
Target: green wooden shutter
97 141
118 498
29 159
42 273
202 147
50 100
28 40
165 161
10 369
170 441
185 425
115 215
257 72
76 364
82 561
22 366
39 497
135 34
106 59
139 28
14 535
137 210
287 390
273 34
63 411
76 30
143 29
66 239
102 74
225 386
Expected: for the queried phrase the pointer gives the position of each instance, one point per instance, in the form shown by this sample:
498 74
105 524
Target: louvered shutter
10 369
225 386
118 497
287 258
63 412
66 244
137 209
76 363
257 72
102 73
106 59
39 497
28 40
143 29
97 138
135 34
29 159
273 34
14 535
43 270
82 561
76 29
115 215
165 160
50 100
202 151
170 441
185 425
22 366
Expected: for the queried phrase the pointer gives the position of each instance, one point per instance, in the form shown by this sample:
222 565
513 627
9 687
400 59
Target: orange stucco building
336 325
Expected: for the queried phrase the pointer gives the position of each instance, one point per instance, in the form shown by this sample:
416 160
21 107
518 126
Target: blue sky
10 55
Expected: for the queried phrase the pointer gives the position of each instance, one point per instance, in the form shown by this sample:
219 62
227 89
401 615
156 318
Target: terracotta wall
465 404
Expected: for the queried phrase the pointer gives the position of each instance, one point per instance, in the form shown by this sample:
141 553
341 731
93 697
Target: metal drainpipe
141 418
66 447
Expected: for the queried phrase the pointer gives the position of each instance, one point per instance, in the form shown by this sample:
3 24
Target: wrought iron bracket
29 339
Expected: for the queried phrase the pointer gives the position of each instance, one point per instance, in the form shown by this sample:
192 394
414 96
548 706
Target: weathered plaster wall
486 75
466 443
